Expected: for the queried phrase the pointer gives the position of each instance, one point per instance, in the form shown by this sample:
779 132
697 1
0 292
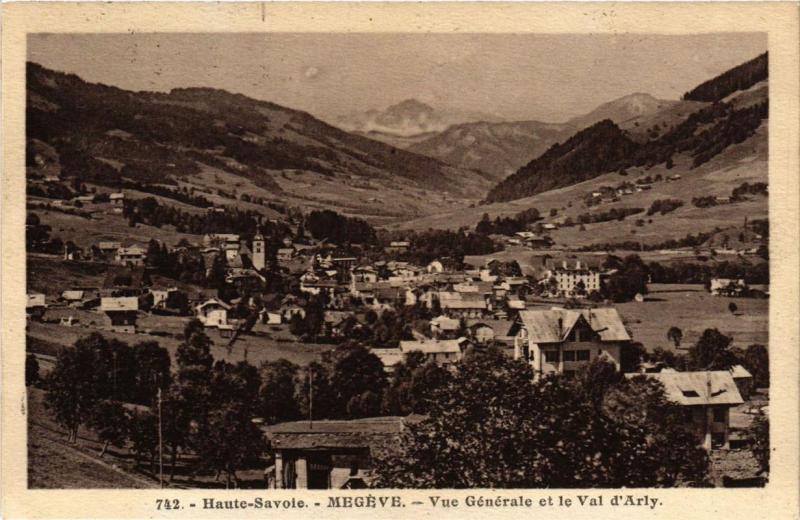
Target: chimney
560 327
578 265
564 264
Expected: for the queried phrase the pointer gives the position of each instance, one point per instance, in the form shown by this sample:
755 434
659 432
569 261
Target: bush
664 206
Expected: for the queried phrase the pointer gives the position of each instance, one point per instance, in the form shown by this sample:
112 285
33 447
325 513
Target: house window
720 415
569 355
551 356
582 355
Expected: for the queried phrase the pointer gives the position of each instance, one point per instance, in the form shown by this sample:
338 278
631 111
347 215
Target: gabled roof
516 304
463 304
35 299
72 295
356 433
213 301
543 326
454 300
390 293
433 346
500 327
607 322
445 323
132 250
739 372
698 388
388 356
124 303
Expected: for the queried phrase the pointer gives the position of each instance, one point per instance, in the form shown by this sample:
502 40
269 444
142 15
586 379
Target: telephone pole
160 445
310 398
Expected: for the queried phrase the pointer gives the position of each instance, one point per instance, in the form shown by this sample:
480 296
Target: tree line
339 229
604 147
207 407
740 77
508 225
489 425
714 351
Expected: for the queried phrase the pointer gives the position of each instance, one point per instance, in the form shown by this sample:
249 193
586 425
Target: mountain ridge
605 147
282 151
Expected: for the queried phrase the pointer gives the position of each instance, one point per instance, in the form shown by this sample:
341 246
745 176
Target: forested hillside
104 134
604 147
738 78
600 148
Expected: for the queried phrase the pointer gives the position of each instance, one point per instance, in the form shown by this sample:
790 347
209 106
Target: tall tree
152 371
357 381
595 379
414 382
110 422
276 395
31 369
193 380
664 450
72 390
712 352
631 356
756 360
759 430
227 440
675 335
144 437
492 426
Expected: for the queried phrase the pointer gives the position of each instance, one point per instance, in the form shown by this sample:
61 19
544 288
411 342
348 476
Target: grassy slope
55 464
746 161
692 309
106 226
333 169
271 346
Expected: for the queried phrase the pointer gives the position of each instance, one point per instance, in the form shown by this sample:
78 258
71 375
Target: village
244 276
289 295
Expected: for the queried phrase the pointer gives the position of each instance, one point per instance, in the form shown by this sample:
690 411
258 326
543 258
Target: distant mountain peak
621 109
409 105
408 118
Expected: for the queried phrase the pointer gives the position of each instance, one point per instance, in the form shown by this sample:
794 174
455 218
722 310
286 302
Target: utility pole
160 445
114 394
310 398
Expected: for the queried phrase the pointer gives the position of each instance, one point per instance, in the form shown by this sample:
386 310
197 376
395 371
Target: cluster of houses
736 287
469 308
337 453
609 194
531 239
114 200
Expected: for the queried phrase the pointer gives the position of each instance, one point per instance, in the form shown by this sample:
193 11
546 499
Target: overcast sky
544 77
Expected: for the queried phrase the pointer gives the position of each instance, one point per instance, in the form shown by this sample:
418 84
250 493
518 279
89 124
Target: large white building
574 281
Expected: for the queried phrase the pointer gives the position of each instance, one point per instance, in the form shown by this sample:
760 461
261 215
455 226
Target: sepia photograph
387 260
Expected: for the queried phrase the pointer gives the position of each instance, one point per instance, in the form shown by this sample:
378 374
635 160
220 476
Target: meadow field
692 309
